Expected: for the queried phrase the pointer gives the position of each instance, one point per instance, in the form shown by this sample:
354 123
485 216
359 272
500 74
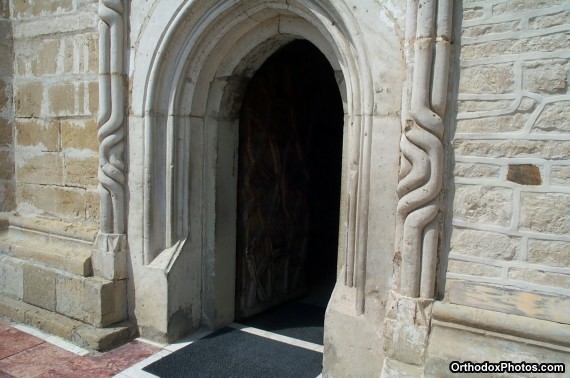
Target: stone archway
190 103
192 66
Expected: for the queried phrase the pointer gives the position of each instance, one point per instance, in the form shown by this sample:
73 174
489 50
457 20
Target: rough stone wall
511 218
55 104
6 113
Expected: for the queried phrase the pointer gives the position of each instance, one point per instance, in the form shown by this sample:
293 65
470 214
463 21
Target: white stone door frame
191 68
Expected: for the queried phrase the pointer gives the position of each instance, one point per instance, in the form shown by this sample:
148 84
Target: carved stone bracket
407 326
109 256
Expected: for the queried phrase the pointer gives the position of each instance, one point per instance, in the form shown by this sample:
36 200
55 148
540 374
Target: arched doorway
289 176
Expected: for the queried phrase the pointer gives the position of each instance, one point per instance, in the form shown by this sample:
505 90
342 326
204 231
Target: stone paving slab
37 356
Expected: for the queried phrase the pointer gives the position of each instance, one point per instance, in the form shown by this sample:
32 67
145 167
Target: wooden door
273 179
290 152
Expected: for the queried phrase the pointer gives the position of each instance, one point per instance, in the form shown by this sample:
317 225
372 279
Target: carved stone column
407 325
109 257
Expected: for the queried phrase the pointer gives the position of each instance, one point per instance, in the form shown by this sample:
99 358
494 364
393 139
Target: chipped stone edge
557 335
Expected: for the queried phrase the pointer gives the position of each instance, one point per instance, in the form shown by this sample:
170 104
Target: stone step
92 300
79 333
52 243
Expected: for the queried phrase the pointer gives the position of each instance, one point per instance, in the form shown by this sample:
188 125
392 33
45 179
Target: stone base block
350 337
84 335
406 329
110 256
92 300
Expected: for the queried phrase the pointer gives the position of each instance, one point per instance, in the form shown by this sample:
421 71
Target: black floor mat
233 353
295 319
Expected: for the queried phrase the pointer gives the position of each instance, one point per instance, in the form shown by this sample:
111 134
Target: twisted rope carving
111 133
422 149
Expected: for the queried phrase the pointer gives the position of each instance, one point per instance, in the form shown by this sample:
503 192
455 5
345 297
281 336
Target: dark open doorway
289 179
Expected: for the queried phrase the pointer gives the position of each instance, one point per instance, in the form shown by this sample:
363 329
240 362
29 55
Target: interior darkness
300 82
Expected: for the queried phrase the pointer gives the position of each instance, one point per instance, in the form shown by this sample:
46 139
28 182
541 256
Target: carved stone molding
109 255
422 150
111 117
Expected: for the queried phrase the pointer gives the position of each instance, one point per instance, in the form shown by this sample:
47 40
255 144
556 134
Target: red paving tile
23 355
13 341
125 356
79 367
36 360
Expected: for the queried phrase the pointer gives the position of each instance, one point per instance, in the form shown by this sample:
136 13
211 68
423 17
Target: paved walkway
28 352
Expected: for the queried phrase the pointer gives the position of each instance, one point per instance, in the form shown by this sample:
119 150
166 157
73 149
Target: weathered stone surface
552 42
4 94
554 118
524 174
465 106
554 150
540 277
28 99
485 244
560 175
531 329
545 212
46 61
75 331
5 64
27 8
42 168
11 277
103 339
7 196
492 79
79 134
547 252
92 204
451 343
483 204
472 170
93 95
546 76
518 6
497 124
472 13
6 165
508 300
35 132
81 171
548 21
92 300
53 323
473 269
6 139
68 203
488 29
62 99
39 286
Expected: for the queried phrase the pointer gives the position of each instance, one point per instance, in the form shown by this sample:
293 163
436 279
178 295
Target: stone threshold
79 333
541 332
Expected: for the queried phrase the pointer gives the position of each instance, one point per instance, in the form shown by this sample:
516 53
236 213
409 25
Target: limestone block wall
510 239
6 113
55 103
